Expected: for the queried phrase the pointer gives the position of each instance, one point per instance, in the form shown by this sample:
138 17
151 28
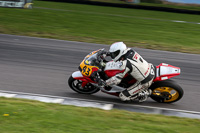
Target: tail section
165 71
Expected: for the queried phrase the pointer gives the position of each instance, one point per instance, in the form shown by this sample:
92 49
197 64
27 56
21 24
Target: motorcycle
163 90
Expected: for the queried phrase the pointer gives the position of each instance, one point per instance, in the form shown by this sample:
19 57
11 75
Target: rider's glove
101 55
101 83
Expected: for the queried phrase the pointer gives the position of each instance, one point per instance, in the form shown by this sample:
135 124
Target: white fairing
77 74
112 65
164 70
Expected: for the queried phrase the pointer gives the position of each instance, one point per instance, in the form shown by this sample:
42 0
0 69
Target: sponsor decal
147 71
136 56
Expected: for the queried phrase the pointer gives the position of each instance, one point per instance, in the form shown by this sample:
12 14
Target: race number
86 71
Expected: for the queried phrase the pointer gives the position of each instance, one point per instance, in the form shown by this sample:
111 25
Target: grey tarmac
43 66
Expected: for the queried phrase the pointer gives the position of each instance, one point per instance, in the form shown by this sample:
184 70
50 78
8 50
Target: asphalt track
42 66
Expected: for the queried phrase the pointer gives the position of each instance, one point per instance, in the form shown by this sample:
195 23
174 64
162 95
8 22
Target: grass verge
17 116
105 25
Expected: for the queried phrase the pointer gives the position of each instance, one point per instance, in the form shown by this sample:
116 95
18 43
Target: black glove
101 55
101 82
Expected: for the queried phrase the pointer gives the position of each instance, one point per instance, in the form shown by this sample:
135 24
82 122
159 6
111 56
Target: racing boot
143 96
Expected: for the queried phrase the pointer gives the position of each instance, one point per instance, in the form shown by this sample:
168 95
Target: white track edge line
110 103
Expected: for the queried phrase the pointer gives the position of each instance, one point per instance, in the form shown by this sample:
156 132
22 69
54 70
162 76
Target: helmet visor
114 54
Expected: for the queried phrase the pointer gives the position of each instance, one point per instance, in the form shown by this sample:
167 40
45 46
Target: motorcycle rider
133 64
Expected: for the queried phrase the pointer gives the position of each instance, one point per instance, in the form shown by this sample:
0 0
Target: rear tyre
76 85
166 91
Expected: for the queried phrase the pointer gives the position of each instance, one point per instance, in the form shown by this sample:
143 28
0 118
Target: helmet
117 50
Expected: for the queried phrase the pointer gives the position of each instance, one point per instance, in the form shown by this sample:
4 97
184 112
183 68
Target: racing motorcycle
163 89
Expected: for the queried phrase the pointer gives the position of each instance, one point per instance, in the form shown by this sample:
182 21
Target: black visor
114 54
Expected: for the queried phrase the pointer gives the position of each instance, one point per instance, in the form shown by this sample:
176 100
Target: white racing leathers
141 70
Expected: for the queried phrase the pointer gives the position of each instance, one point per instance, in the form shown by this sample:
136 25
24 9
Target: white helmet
117 50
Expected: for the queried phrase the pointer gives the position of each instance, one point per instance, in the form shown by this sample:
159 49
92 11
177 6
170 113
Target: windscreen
92 60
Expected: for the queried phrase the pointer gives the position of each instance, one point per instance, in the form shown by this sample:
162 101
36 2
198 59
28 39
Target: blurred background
172 25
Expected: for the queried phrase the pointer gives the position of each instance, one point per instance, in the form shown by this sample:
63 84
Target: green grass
105 25
26 116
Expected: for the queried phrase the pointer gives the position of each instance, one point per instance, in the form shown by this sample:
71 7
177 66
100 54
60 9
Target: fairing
112 68
165 71
77 75
89 64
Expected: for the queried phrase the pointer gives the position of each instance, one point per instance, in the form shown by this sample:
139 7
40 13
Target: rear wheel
76 85
166 91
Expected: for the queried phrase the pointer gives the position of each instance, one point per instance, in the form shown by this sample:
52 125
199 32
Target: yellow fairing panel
86 69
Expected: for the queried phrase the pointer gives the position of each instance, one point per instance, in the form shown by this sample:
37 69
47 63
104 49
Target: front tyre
76 85
166 91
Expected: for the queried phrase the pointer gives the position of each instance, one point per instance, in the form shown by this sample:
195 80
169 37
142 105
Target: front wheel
76 85
166 91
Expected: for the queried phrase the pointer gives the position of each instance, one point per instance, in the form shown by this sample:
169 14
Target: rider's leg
135 90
